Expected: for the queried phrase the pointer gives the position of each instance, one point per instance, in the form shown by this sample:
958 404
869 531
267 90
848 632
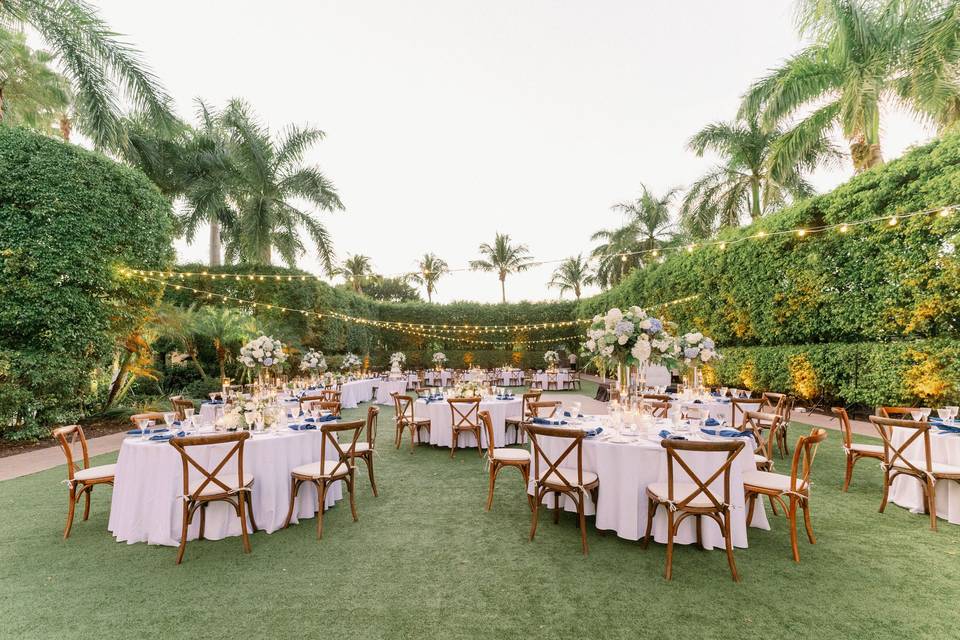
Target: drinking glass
943 413
169 417
916 414
189 413
926 412
953 411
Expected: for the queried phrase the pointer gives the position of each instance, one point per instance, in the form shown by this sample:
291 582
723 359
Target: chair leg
751 499
71 509
86 496
322 501
242 508
932 502
294 488
651 512
792 523
773 506
849 472
479 446
413 439
248 495
183 532
525 472
886 491
583 524
203 519
805 505
669 571
350 486
536 512
373 483
700 532
556 507
493 480
728 540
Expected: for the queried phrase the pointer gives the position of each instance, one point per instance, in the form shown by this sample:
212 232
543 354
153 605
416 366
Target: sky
449 120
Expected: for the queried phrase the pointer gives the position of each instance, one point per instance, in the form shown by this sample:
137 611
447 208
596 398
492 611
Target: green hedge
68 219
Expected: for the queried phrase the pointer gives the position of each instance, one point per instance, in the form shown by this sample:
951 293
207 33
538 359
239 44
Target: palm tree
354 269
745 181
224 327
32 93
430 270
101 68
860 57
504 258
266 175
572 275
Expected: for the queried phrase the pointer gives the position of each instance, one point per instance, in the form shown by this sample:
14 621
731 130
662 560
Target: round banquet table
210 412
719 409
625 470
356 391
510 378
386 387
146 504
907 492
563 377
438 379
441 422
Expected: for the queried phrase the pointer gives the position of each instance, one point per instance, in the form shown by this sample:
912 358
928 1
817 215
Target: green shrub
68 219
201 389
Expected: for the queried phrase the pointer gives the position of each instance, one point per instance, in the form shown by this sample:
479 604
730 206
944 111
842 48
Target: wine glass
925 411
189 413
169 417
916 414
953 411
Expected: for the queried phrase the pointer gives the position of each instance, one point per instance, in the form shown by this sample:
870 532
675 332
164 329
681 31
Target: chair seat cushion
96 473
324 469
759 459
938 467
511 454
589 477
359 447
229 479
680 491
867 448
771 481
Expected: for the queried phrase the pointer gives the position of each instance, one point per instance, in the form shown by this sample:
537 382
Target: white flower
591 345
641 350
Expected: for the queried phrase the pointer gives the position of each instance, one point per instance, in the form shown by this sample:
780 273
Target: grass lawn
425 560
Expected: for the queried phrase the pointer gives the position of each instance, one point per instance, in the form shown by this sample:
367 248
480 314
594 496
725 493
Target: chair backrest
896 454
675 449
330 395
323 405
156 416
756 421
553 464
463 412
659 397
402 406
658 409
545 409
331 431
372 414
776 401
552 375
900 413
69 436
803 455
488 427
307 398
845 426
528 397
180 406
743 405
210 477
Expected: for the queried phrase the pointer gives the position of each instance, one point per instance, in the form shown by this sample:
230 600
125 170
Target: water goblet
189 412
926 412
169 417
916 414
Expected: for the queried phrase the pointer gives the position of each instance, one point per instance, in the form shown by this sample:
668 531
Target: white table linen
563 377
356 391
717 408
441 422
386 387
510 378
146 504
626 469
210 412
434 378
907 492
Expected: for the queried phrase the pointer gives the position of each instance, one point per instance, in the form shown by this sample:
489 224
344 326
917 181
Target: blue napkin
946 427
549 421
590 433
698 402
167 436
715 394
710 422
138 432
213 402
567 414
328 418
728 433
670 436
302 427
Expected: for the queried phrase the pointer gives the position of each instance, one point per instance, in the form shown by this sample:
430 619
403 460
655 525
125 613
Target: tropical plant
430 270
863 54
101 68
181 326
573 274
224 327
266 176
390 289
32 92
354 270
503 258
744 181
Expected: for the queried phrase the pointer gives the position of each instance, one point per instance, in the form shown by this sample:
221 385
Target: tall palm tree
102 68
745 181
225 327
32 92
503 258
354 269
573 274
860 58
430 270
267 175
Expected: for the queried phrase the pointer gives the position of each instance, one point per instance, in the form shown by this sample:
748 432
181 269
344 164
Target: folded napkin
728 433
698 402
593 431
946 428
567 414
167 436
710 422
213 402
549 421
507 397
666 435
715 394
328 418
138 432
302 427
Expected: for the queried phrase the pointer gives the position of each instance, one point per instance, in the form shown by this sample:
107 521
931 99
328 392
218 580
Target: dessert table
386 387
626 465
356 391
146 503
441 421
907 492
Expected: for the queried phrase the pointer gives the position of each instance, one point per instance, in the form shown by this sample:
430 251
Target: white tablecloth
149 480
907 492
441 422
563 378
386 387
210 412
356 391
510 378
625 470
436 378
719 410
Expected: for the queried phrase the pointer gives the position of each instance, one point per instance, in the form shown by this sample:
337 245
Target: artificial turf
425 560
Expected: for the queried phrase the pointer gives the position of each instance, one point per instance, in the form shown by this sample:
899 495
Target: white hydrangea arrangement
398 358
439 359
351 363
467 390
264 351
313 361
631 337
551 358
697 349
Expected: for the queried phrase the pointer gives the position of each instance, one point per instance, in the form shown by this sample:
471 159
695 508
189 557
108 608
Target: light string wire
801 232
411 328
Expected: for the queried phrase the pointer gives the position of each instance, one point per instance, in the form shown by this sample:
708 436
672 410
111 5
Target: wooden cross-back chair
573 482
526 399
308 398
325 473
692 495
573 381
742 405
896 462
180 406
782 405
330 395
657 397
658 409
80 479
365 450
535 382
796 486
464 418
333 406
405 420
156 416
854 450
552 380
501 458
898 413
544 409
214 486
759 422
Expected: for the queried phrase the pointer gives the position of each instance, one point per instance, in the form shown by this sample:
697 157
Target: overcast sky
450 120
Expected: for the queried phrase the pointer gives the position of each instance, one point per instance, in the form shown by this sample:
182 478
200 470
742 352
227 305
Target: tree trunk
865 155
214 242
265 257
429 293
65 127
755 197
1 104
503 288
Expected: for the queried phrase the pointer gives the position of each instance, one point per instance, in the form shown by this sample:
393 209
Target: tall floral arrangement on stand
439 359
697 350
551 358
351 363
399 358
314 363
262 354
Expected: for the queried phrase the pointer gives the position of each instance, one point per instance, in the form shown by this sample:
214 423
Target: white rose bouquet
263 352
551 358
467 390
630 337
313 361
439 359
351 363
398 358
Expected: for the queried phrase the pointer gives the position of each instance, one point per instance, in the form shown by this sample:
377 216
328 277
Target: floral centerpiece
350 362
696 351
551 358
439 359
467 390
397 360
261 354
247 415
313 361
